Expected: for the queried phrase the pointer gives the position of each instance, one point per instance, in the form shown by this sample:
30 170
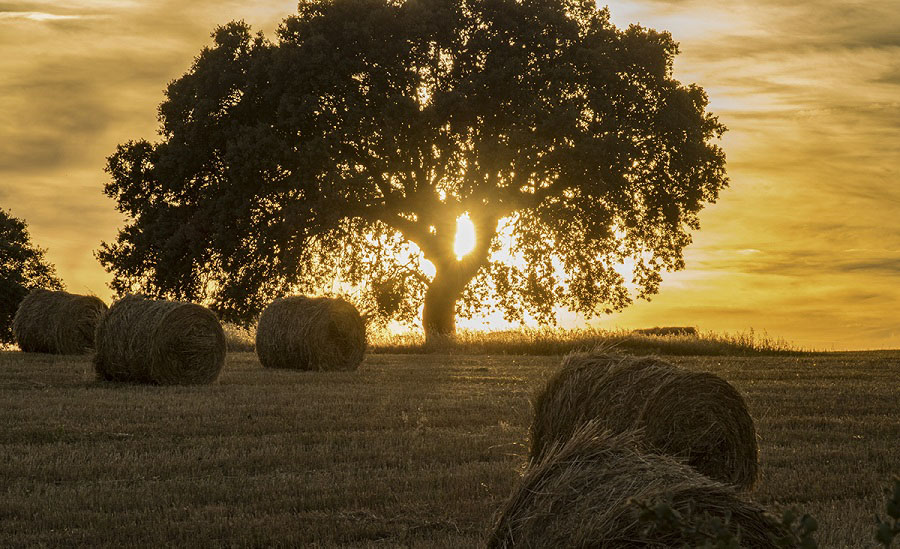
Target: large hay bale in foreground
696 417
142 340
304 333
584 493
57 322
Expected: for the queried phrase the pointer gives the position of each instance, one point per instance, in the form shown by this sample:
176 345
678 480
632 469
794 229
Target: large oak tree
332 156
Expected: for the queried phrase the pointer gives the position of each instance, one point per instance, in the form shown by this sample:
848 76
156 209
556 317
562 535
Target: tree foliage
23 267
333 156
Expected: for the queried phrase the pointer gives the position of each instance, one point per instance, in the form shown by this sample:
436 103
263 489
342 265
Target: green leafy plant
706 532
703 531
799 531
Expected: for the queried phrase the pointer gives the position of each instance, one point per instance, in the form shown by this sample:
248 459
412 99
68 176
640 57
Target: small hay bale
304 333
57 322
696 417
584 493
142 340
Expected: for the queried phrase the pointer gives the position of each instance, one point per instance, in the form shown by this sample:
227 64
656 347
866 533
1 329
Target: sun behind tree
348 149
464 241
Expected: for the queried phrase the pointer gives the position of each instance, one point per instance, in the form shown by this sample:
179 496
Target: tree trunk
439 312
453 275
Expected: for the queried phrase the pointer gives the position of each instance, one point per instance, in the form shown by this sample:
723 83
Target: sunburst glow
465 236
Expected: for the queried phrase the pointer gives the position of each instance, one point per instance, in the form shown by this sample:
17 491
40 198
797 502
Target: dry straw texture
583 493
696 417
57 322
142 340
304 333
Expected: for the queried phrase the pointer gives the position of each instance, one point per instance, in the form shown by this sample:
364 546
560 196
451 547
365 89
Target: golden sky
804 245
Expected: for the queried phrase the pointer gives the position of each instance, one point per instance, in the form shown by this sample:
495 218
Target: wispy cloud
38 16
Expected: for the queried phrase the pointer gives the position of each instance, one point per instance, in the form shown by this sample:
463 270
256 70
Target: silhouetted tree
371 125
23 267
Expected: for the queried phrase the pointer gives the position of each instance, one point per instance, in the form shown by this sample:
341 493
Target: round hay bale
57 322
142 340
696 417
304 333
585 493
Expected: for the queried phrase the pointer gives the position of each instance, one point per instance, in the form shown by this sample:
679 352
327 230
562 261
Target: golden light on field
803 245
465 236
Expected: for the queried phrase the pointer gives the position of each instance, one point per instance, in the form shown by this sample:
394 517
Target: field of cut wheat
408 451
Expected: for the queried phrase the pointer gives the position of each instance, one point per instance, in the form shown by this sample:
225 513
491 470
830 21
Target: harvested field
408 451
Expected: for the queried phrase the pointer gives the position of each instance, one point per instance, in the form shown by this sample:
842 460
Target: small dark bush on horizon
668 331
23 267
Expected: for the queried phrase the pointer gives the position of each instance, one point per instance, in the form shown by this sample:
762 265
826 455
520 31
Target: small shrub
239 339
702 530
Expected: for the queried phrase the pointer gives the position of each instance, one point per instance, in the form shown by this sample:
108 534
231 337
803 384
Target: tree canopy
23 267
344 151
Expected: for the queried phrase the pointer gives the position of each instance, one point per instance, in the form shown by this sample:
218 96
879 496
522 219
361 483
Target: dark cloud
890 75
881 265
51 131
